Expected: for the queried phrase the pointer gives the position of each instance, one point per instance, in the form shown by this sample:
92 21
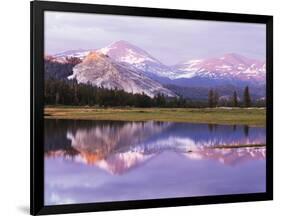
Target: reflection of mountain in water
229 156
108 138
120 146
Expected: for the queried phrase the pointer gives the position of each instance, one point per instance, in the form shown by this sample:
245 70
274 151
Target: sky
169 40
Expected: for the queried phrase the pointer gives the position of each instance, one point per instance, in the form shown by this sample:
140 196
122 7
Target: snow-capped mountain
102 71
123 51
229 70
227 67
230 66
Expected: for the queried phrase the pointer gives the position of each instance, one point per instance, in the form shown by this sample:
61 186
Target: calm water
97 161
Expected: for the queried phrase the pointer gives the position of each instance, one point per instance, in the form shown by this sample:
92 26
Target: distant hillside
201 93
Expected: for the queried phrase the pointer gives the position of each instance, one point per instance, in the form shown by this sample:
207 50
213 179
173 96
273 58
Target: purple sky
169 40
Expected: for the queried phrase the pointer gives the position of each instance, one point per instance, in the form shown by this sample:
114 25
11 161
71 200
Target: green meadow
229 116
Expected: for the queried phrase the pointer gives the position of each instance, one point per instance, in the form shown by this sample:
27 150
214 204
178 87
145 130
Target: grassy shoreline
235 116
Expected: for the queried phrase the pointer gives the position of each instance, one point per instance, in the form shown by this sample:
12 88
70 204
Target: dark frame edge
156 203
36 109
150 12
269 106
31 111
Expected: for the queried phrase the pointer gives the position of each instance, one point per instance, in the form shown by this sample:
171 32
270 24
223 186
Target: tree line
214 101
66 92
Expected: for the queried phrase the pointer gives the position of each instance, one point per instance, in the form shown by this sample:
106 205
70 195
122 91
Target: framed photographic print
138 107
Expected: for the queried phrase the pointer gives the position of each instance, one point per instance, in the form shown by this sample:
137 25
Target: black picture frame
37 104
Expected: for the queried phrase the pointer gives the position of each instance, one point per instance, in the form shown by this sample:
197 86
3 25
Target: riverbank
233 116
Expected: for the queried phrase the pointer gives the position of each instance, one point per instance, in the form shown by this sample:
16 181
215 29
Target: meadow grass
229 116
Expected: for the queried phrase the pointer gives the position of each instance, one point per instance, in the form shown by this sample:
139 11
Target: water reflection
125 148
246 130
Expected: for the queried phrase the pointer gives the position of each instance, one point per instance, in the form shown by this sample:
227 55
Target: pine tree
247 97
211 98
235 100
57 98
216 98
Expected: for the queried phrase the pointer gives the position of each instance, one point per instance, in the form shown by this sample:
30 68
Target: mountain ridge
229 69
230 66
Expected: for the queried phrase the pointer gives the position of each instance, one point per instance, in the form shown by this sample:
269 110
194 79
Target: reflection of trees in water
54 135
121 145
55 131
107 136
97 139
102 138
212 127
246 130
57 143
